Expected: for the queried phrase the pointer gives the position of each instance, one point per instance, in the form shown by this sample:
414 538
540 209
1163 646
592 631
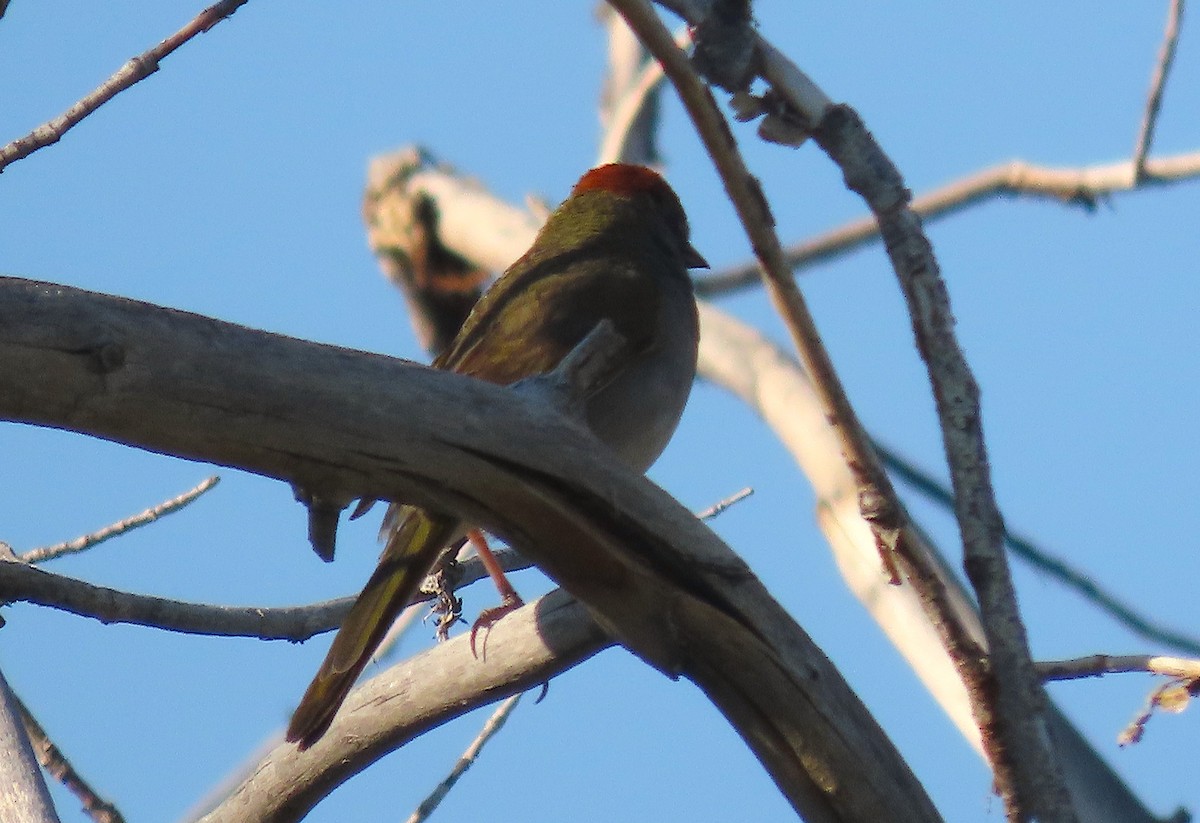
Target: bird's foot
489 617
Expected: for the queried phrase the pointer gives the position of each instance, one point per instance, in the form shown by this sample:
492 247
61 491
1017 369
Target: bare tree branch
374 427
493 725
25 796
26 584
56 764
1028 776
1097 665
439 285
722 505
87 541
1084 186
1012 711
465 572
134 71
21 583
1158 82
528 647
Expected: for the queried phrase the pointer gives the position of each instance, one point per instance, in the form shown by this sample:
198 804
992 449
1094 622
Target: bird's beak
694 259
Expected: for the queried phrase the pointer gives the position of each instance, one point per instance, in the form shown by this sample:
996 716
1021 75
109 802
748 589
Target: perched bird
616 249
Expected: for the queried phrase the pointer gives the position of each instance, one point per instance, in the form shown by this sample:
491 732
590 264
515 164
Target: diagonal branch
1028 774
137 69
25 796
754 213
741 360
56 764
44 553
528 647
1011 708
494 724
1158 82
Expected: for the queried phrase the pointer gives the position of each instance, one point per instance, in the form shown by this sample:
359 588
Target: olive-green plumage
616 249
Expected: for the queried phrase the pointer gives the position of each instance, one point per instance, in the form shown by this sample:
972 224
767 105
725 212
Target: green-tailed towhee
616 249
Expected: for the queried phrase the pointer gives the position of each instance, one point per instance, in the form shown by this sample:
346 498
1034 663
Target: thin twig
56 764
1097 665
22 583
1084 186
493 725
721 505
87 541
1042 560
1158 82
134 71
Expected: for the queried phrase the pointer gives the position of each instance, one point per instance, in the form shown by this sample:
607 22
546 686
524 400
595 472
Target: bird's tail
411 551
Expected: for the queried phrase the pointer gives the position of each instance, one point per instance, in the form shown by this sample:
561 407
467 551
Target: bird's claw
489 617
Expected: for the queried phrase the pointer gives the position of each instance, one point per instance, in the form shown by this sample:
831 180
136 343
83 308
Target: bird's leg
509 599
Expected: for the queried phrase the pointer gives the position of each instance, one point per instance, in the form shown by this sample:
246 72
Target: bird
618 248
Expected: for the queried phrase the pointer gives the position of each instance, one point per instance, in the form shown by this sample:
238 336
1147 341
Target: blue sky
229 184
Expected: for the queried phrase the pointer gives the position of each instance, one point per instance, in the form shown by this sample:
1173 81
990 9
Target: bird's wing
562 299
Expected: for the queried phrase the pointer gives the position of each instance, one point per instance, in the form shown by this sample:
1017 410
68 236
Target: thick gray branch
320 416
526 648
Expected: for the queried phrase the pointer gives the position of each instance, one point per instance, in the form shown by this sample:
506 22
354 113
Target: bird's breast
638 411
